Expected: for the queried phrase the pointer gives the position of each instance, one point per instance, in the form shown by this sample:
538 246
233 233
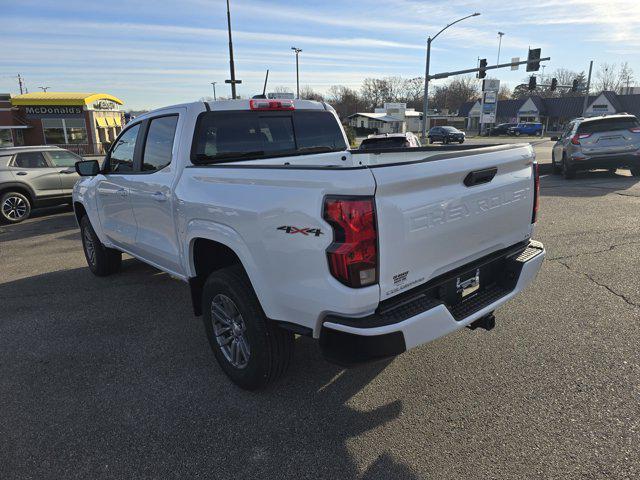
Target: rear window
608 124
390 142
231 136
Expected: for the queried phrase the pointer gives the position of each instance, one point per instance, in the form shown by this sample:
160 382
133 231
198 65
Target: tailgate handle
480 176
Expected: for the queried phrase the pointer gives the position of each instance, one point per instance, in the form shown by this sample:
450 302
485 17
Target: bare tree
453 94
345 100
309 93
613 77
282 89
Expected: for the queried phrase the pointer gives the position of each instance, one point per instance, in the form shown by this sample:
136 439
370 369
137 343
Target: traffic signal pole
477 69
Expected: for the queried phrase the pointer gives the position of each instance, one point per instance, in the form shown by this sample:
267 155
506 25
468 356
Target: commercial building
85 123
553 113
397 118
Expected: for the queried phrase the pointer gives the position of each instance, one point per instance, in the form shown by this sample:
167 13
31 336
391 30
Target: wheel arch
19 188
207 255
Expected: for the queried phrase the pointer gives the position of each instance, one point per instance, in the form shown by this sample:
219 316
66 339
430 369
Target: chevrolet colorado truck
281 230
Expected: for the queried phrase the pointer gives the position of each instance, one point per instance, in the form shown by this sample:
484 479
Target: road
113 378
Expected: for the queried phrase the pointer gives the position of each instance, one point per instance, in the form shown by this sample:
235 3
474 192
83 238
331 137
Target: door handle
67 171
159 197
21 173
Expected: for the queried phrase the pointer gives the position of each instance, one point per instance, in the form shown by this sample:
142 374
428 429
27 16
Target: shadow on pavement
113 377
43 221
594 183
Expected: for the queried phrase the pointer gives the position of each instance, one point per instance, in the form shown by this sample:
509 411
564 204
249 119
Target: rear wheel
102 261
635 172
517 133
461 141
567 171
14 207
251 350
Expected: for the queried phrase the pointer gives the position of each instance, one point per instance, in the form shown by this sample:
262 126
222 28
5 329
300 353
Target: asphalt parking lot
113 378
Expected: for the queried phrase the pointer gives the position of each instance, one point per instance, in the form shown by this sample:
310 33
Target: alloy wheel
14 208
229 330
89 246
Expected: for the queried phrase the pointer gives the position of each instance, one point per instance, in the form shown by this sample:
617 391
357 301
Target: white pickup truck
280 229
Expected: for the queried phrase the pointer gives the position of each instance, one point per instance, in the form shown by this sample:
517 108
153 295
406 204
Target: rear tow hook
487 322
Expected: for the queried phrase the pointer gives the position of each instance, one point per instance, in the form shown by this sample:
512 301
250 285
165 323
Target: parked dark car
445 135
501 129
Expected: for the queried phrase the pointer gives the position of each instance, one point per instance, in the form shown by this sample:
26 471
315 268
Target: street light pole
297 50
231 66
425 102
500 34
214 90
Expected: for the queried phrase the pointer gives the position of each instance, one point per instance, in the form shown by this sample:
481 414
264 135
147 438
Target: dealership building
85 123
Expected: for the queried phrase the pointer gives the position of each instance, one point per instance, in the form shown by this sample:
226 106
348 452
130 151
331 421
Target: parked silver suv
610 141
33 177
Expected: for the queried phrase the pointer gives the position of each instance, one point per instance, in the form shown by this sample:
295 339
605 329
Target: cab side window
121 158
159 143
30 160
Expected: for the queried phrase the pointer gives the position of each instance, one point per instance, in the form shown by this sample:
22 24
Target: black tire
461 141
102 261
635 171
269 347
567 171
557 169
14 207
517 133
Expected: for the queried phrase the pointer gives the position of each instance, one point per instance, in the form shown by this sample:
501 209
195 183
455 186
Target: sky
152 53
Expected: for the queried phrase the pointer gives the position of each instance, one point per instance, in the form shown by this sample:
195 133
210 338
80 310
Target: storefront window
63 131
5 138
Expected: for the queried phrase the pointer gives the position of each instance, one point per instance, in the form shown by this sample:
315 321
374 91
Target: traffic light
533 60
532 83
574 86
482 72
554 84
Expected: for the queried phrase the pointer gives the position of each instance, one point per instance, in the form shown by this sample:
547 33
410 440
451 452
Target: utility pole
231 66
214 90
425 101
297 50
500 34
586 93
20 84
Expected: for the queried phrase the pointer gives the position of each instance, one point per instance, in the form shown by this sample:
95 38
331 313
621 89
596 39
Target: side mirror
554 139
88 168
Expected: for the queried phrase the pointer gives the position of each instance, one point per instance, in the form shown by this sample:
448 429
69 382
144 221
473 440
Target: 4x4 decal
304 231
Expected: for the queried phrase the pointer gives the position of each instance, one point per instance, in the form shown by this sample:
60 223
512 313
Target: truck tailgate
430 222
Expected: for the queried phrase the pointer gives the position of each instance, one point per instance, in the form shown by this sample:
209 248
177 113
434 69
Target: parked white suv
280 229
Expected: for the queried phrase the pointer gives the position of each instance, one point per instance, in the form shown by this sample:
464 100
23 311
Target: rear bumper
625 160
424 317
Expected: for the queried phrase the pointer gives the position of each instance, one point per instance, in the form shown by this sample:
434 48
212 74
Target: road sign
490 97
490 85
515 60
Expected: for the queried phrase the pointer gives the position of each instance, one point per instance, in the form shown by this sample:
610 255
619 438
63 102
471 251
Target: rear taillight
353 255
536 192
579 136
634 129
262 104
